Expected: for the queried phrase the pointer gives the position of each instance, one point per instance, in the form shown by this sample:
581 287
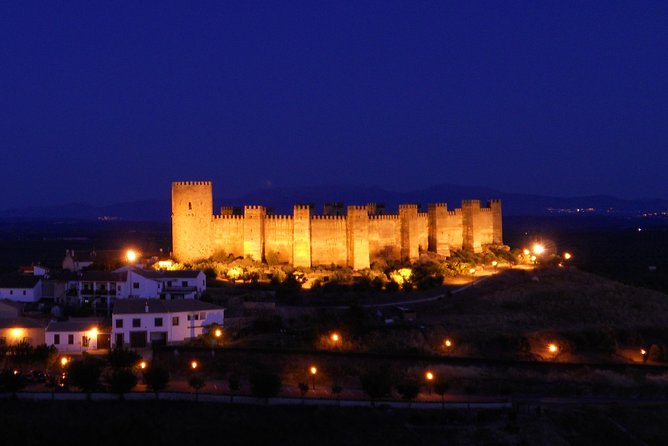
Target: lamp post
429 376
313 371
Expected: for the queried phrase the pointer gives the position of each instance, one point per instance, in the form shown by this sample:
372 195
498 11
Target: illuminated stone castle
352 237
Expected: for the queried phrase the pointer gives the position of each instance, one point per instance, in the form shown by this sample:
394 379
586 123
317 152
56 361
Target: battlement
250 207
471 203
303 207
228 217
278 217
437 205
485 209
495 201
357 208
422 214
191 183
408 206
384 217
457 211
328 217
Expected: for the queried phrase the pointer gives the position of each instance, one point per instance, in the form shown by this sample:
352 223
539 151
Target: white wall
76 346
17 294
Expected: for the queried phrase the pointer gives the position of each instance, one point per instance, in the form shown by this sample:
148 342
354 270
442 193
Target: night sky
105 102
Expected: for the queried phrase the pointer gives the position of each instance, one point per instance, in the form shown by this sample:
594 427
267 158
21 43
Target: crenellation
361 235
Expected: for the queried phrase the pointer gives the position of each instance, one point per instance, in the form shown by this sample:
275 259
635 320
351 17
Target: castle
304 239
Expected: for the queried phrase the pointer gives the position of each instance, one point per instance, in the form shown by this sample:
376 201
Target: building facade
304 239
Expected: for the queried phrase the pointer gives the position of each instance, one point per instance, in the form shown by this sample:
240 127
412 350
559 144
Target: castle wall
192 213
384 237
328 240
228 234
278 231
304 240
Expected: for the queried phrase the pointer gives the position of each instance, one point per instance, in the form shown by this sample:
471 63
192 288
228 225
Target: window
84 341
136 323
70 339
119 323
190 206
196 317
184 283
158 322
24 292
175 321
11 292
169 283
135 285
56 339
202 316
188 317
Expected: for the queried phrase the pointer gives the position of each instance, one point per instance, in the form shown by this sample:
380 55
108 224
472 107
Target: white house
105 287
21 288
14 330
77 335
138 323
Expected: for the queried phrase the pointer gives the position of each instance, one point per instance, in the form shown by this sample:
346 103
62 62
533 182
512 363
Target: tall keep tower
192 216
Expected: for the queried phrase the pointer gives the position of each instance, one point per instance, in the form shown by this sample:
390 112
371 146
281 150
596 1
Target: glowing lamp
193 365
448 343
313 370
131 255
64 361
552 348
429 376
17 332
538 249
567 256
142 365
335 337
218 333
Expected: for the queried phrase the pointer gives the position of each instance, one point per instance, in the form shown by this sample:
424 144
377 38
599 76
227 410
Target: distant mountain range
281 199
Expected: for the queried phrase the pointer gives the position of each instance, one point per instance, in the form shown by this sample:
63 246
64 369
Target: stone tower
301 236
497 226
438 237
357 229
254 232
408 216
192 216
471 225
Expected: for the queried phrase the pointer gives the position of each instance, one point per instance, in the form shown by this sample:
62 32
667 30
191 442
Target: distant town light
429 376
567 256
643 351
448 343
472 271
313 370
495 263
335 337
552 348
533 258
131 255
142 365
526 252
194 365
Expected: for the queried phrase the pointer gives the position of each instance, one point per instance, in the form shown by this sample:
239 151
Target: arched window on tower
190 206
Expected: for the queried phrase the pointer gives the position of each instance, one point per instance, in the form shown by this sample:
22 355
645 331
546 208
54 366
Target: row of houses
136 323
103 287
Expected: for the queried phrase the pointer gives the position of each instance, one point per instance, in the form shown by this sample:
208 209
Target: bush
265 384
376 383
85 373
156 378
121 381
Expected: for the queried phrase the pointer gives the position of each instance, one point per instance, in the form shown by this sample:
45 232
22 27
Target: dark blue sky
111 101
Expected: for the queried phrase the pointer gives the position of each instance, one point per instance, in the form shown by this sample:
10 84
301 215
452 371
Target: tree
157 378
85 374
120 358
46 355
22 353
408 389
376 384
441 387
265 384
11 381
121 381
303 389
234 384
196 382
336 390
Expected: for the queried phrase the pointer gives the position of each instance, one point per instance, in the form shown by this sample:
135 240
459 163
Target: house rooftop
19 281
103 276
161 274
74 325
138 306
20 322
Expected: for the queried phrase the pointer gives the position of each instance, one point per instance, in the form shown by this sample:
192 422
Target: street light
218 333
552 348
194 365
538 249
447 343
313 370
429 376
131 255
64 361
495 263
568 256
142 365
